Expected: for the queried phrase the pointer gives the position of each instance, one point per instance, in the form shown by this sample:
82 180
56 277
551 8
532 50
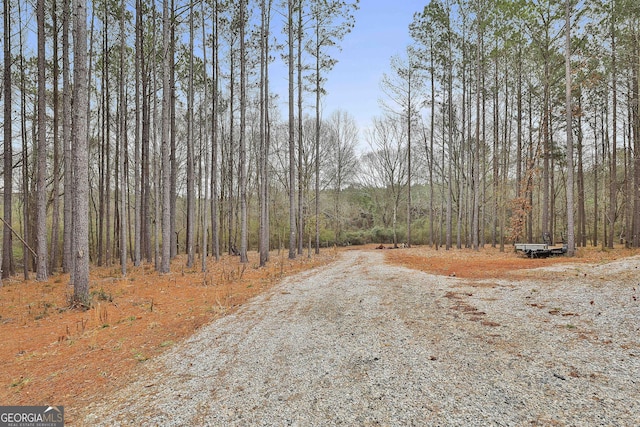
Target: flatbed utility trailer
540 250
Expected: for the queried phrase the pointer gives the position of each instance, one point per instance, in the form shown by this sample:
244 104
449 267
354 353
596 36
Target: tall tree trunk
450 140
137 180
301 219
230 150
173 188
431 148
519 127
26 204
105 207
531 163
409 176
67 256
546 186
596 186
215 239
145 184
205 125
7 237
496 169
264 143
165 265
41 170
628 170
635 120
190 143
123 151
569 108
613 176
582 213
55 220
292 145
476 153
317 138
243 130
81 158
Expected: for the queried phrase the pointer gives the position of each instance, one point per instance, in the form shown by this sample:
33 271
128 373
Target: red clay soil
53 355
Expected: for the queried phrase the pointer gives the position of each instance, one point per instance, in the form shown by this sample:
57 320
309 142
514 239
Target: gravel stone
361 342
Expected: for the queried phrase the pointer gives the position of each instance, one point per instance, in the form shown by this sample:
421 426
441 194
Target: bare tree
342 166
387 165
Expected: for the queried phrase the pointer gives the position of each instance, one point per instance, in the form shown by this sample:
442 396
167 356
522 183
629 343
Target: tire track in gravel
358 342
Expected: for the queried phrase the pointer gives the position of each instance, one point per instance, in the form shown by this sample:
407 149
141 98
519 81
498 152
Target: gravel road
363 343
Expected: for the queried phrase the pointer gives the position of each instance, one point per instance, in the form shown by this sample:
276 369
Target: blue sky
381 31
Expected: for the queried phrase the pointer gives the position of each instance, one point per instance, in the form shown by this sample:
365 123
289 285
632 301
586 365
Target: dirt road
360 342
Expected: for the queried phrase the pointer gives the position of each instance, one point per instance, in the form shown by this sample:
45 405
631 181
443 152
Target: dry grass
53 355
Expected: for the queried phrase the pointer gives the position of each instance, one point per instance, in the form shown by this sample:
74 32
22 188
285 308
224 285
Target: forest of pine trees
134 131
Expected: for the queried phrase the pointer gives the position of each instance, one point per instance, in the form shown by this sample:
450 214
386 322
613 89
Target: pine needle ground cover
54 355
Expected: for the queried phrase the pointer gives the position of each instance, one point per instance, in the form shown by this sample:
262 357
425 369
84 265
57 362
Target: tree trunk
205 102
243 130
264 143
301 210
123 150
431 149
635 120
55 220
409 176
317 139
476 153
166 140
569 109
67 256
172 134
26 254
582 213
137 180
190 142
613 176
81 158
215 239
546 186
292 145
7 237
41 190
